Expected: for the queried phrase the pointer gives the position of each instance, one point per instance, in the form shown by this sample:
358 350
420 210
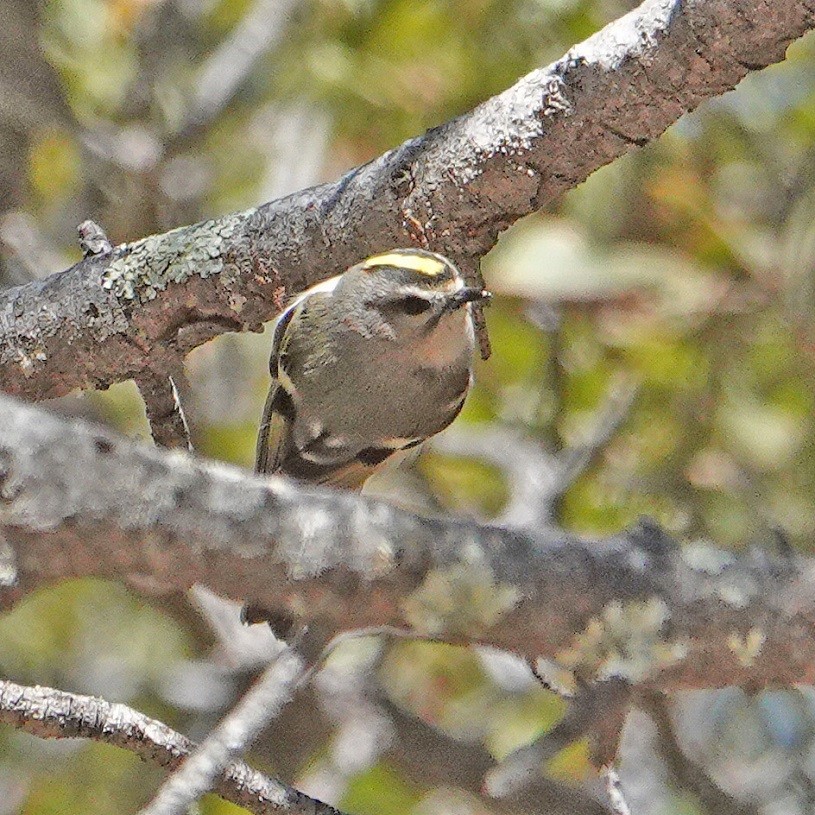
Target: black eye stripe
413 305
373 456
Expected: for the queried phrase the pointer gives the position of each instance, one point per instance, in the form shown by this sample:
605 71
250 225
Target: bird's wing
274 437
321 461
353 473
278 412
350 476
274 430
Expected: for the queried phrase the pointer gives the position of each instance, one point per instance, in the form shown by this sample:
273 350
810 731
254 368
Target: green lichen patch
28 361
706 558
715 574
146 267
625 642
556 677
747 648
463 599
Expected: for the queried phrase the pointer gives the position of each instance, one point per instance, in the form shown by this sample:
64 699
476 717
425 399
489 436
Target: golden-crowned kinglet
365 365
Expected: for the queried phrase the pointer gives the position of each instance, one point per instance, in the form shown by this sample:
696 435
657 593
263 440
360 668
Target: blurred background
654 353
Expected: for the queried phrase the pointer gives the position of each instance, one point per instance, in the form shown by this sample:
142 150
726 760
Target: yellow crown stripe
431 267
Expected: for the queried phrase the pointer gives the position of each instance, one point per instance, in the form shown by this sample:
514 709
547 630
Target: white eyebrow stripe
413 291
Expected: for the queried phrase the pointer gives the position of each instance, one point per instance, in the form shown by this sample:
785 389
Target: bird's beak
466 294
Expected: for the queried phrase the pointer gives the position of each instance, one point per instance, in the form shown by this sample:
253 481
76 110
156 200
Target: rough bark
453 189
76 501
54 714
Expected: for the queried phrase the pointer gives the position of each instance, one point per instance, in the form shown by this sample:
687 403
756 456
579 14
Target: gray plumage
368 364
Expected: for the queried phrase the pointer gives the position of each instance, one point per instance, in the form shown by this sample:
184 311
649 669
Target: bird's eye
414 305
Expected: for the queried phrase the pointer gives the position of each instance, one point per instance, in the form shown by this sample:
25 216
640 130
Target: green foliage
54 166
96 778
82 630
88 42
379 791
213 805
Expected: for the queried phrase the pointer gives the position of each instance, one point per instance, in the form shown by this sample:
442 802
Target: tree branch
686 773
430 756
159 388
598 712
259 705
454 188
615 793
54 714
77 501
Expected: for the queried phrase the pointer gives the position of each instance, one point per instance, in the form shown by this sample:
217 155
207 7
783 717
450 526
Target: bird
367 365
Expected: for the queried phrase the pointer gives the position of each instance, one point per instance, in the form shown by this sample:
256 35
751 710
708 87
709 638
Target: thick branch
454 189
78 501
55 714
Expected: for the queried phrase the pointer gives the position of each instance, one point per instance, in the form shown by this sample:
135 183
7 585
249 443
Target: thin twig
261 28
574 461
597 711
51 713
537 478
615 792
533 474
685 772
284 676
92 239
347 636
431 756
471 269
198 774
8 563
182 416
162 402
